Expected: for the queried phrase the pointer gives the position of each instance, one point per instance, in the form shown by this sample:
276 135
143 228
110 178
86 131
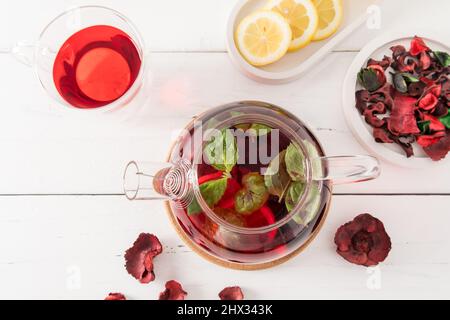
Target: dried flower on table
139 258
363 241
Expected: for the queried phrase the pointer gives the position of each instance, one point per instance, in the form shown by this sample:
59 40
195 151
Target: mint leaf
443 58
222 152
295 164
293 195
276 178
446 120
212 192
252 196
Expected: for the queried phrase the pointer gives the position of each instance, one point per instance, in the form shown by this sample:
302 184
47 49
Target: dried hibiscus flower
115 297
139 258
231 293
363 241
174 291
418 46
414 106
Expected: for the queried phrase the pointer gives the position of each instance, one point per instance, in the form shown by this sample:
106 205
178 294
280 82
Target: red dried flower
363 241
418 46
115 297
382 136
435 124
429 102
231 293
425 61
429 140
139 258
402 120
174 291
439 150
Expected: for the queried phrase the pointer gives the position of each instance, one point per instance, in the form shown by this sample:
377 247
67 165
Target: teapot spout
159 181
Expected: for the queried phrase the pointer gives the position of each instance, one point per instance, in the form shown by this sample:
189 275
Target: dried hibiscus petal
397 51
174 291
139 258
418 46
429 140
402 120
363 241
371 115
382 136
440 111
115 297
362 97
435 124
231 293
428 102
439 150
425 61
385 63
384 94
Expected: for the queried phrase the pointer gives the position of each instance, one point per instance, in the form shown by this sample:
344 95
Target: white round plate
293 64
361 130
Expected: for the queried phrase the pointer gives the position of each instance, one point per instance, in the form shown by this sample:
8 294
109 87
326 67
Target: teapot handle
346 169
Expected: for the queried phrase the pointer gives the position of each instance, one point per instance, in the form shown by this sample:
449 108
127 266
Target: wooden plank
49 243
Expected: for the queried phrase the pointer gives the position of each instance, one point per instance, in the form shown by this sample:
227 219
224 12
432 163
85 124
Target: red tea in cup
96 66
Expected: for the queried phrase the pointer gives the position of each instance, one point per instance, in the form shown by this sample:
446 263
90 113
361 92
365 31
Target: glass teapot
235 202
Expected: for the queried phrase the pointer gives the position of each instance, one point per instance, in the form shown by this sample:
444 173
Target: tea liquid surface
96 66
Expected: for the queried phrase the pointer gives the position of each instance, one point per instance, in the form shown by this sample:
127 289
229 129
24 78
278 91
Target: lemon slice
263 37
330 17
302 17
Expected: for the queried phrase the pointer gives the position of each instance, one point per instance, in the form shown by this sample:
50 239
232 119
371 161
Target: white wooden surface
64 225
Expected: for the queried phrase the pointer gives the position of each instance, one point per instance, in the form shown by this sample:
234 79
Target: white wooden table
64 224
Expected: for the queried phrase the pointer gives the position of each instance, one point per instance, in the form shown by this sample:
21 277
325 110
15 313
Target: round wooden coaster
241 266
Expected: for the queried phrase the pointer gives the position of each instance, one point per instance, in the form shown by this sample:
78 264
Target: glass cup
212 235
42 54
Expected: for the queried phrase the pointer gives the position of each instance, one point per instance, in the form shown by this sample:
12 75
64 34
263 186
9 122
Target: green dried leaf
368 79
446 120
424 126
443 58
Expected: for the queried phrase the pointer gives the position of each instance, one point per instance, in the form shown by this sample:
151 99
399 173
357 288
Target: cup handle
25 52
346 169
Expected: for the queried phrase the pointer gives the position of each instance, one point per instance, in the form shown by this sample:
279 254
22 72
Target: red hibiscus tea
96 66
